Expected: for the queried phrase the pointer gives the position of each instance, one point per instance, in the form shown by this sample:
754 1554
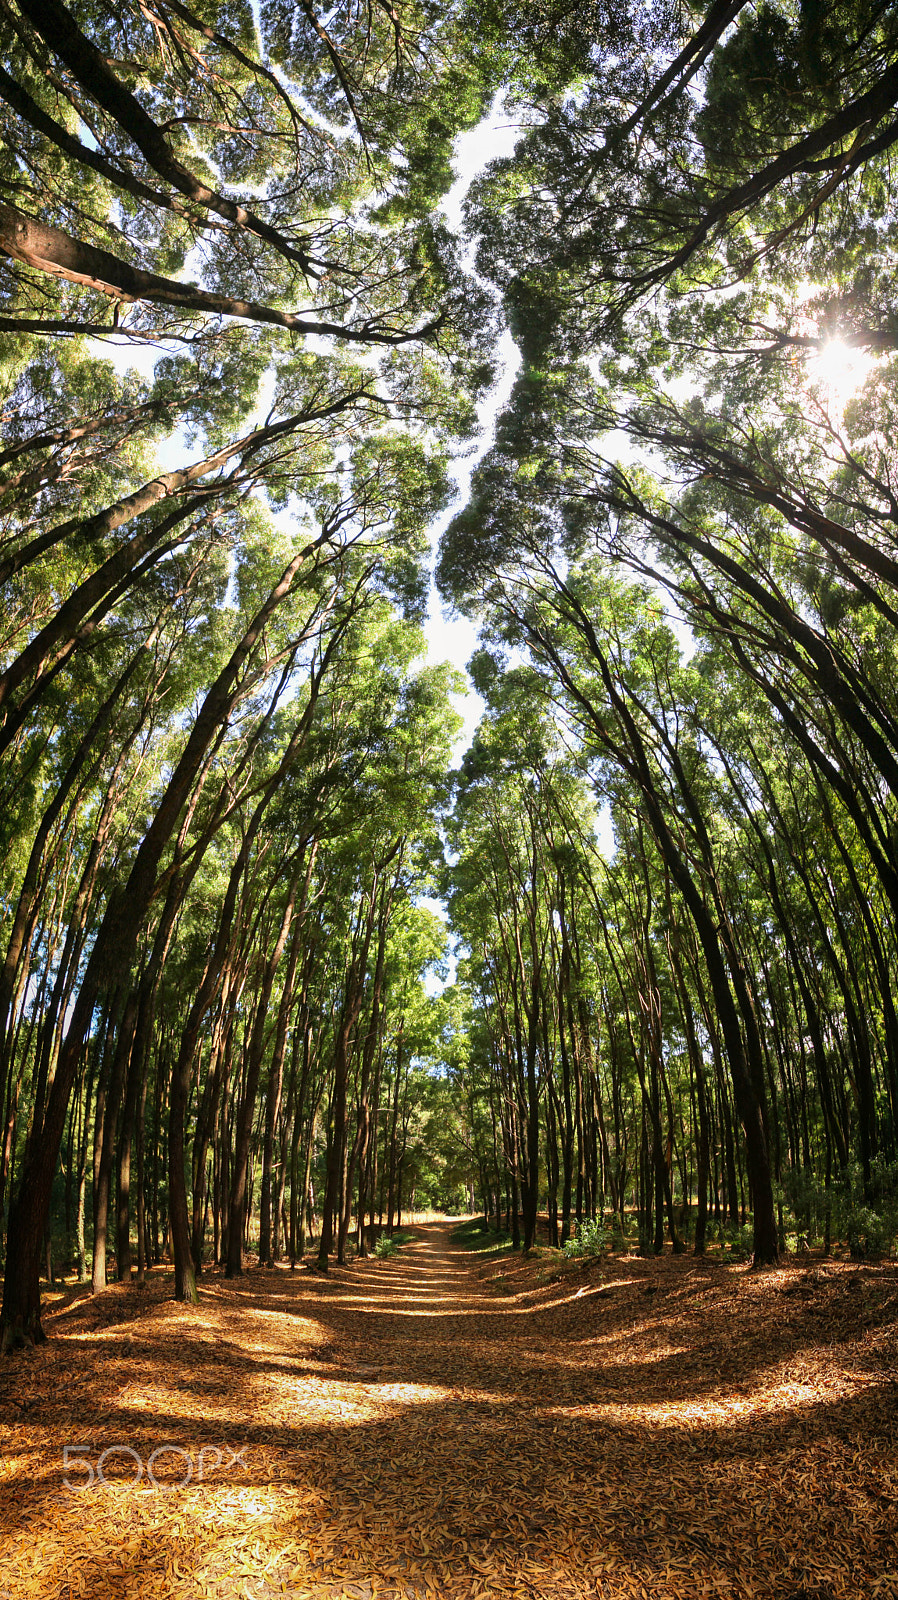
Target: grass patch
560 1266
389 1243
472 1235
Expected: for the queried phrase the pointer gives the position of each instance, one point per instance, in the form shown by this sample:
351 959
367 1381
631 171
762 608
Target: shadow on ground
436 1425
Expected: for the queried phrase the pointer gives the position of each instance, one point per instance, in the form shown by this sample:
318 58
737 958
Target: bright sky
455 639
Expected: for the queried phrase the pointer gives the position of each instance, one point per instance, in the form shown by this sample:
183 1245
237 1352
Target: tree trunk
246 1110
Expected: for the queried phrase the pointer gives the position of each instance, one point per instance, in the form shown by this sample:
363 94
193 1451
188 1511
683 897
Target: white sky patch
454 638
494 137
128 355
604 831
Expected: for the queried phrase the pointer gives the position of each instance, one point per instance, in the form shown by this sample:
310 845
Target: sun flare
839 371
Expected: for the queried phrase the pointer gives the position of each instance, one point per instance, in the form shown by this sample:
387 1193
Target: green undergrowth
389 1243
475 1236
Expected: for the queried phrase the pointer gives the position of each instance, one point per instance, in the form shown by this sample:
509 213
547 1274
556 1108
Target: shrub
590 1239
739 1243
867 1223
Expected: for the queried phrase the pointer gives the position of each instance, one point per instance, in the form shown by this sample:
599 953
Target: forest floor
439 1424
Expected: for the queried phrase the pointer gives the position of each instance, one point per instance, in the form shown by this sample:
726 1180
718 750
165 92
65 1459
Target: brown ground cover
439 1425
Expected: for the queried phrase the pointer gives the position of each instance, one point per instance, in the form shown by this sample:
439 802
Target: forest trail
437 1425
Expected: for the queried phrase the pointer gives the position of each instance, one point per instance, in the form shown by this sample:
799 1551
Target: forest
668 857
284 964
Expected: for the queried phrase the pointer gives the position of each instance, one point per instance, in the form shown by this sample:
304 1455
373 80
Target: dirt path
423 1427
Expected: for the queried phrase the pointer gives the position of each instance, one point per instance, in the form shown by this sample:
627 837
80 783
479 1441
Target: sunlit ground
437 1425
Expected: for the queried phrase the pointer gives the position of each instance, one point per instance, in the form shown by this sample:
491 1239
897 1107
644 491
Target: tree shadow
401 1428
